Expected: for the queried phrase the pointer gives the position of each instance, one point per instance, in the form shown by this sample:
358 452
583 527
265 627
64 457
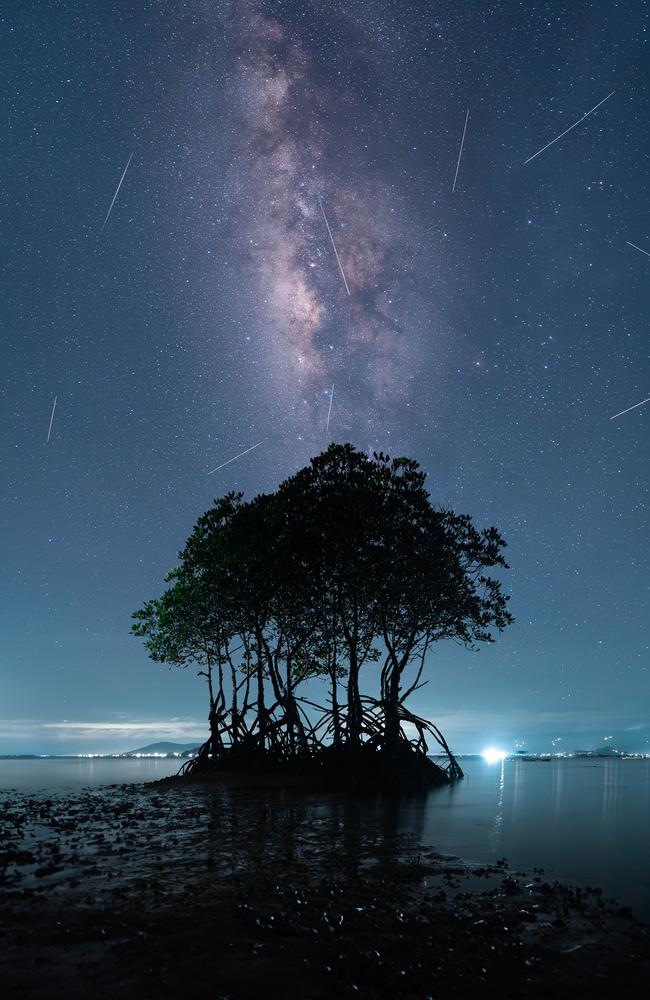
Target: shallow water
125 888
69 773
584 821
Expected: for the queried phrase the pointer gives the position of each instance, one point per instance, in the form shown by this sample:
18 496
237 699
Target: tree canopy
346 573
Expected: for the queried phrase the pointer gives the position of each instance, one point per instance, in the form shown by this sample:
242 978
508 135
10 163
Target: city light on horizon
493 756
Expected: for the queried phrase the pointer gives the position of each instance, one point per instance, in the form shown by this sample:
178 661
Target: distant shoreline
575 755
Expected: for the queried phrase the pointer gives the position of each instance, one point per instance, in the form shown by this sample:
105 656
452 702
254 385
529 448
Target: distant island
164 748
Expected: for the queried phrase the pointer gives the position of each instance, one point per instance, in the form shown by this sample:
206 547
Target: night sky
490 332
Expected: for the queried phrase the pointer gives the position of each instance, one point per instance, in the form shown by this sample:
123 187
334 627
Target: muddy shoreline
185 889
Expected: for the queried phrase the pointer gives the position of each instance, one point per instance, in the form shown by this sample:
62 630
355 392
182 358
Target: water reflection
333 832
610 794
557 787
327 834
517 788
59 774
585 821
498 817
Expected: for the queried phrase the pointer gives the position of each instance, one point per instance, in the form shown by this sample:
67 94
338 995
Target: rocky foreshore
179 890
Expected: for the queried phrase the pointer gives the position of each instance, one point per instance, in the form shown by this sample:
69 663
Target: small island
346 576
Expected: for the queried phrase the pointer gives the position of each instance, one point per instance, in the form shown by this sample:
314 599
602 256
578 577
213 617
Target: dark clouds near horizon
490 333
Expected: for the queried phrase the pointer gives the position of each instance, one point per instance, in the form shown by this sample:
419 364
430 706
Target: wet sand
177 890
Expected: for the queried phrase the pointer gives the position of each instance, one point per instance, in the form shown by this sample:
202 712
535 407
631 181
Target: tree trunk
391 709
212 715
354 700
261 707
290 709
336 712
234 709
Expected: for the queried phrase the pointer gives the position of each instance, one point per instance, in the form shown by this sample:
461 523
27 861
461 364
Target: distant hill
164 747
605 751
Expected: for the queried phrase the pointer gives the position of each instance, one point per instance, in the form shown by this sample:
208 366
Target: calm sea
584 821
67 774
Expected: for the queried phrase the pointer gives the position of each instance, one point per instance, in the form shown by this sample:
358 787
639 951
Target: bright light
493 756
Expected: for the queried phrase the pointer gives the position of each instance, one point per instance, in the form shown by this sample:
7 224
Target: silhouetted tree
431 582
347 564
333 506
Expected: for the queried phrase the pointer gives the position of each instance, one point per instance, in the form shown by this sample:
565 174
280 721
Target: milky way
291 153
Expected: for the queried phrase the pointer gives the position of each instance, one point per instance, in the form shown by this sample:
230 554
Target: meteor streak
462 143
630 408
637 248
329 412
49 430
252 447
568 129
334 245
117 191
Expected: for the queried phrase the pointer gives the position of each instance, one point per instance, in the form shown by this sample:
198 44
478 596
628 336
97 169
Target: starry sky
490 331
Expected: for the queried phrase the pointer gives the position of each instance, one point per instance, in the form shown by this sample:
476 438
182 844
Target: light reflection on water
586 821
66 774
582 820
498 816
